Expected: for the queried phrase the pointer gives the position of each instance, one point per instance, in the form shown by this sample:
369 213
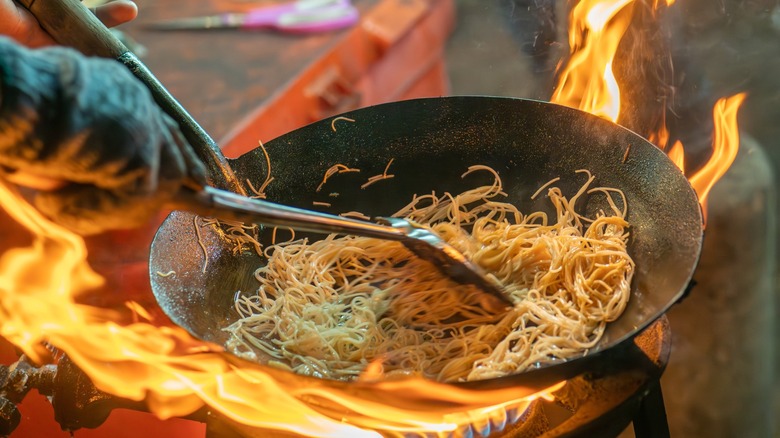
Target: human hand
19 24
93 129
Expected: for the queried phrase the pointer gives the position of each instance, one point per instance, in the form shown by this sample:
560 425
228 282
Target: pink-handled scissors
303 16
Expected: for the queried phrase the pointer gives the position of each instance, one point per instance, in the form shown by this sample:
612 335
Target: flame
661 137
725 145
677 155
588 82
177 374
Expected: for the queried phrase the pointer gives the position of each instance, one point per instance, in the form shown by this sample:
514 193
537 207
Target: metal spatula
211 202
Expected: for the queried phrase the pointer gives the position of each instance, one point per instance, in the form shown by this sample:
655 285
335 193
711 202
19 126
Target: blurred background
245 86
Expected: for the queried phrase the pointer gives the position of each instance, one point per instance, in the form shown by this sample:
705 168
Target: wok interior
432 142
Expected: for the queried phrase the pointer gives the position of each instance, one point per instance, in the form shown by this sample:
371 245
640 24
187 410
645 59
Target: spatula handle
71 24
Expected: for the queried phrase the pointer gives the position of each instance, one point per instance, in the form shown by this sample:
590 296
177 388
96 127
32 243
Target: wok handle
71 24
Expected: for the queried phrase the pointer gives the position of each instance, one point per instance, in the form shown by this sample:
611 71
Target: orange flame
587 82
725 145
677 155
657 3
177 374
660 138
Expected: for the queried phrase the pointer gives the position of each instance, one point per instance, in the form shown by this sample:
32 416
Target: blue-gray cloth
89 122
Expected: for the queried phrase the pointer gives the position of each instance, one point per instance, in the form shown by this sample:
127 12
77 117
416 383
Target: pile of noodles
353 307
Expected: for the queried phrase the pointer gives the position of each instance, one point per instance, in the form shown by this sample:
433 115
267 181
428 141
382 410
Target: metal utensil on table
70 23
304 16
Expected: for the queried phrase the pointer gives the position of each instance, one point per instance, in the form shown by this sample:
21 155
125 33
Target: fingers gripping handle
71 24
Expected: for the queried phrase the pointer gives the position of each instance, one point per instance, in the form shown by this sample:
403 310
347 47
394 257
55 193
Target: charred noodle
353 307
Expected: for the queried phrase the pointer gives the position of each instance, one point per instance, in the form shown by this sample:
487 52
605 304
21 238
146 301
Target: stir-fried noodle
354 307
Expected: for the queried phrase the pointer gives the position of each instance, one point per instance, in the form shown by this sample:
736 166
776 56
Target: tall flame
725 145
177 374
587 82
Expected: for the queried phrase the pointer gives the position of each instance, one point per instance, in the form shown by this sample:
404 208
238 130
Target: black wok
432 142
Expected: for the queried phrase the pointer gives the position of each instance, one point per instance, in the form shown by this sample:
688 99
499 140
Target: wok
432 142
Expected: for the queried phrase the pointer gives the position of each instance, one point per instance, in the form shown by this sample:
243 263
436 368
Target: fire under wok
432 142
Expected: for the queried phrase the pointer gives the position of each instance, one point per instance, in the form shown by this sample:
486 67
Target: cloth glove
90 124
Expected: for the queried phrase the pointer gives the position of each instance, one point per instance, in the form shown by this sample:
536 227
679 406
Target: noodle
260 193
356 215
547 184
336 168
380 177
200 242
360 308
273 235
239 235
333 122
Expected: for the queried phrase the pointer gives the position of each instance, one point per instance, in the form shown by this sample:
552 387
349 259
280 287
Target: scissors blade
220 21
318 20
298 17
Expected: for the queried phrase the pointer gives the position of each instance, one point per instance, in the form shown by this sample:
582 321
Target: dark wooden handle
71 24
